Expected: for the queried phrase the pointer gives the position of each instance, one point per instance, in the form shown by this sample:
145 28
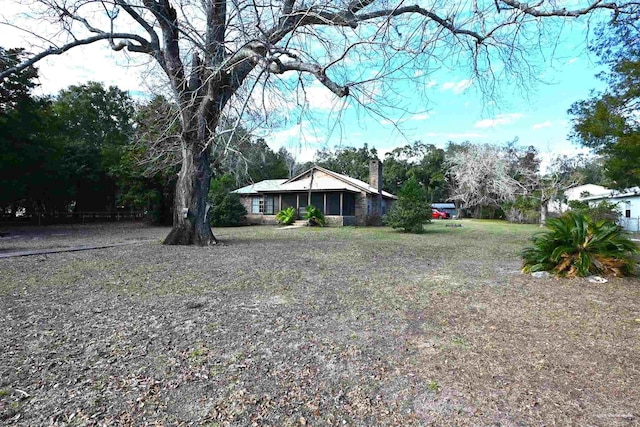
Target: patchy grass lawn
306 326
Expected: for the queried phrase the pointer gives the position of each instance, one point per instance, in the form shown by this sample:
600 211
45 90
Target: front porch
338 207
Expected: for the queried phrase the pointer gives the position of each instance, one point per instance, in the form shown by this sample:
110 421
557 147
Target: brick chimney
375 174
375 181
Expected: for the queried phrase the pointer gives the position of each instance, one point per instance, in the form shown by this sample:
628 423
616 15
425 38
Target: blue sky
456 110
435 107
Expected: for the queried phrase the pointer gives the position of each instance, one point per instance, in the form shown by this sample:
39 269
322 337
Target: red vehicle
436 214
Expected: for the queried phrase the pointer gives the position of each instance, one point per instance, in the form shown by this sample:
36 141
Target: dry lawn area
315 327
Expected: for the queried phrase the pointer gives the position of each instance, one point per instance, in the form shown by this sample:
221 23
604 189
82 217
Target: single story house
342 199
578 192
628 203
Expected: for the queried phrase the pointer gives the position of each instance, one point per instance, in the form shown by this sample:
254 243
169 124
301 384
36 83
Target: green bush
575 245
226 208
286 216
524 210
314 216
411 211
603 210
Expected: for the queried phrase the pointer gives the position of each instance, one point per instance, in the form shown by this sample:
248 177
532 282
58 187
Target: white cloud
382 152
572 60
500 119
271 99
94 62
321 98
542 125
454 135
431 83
301 140
420 117
418 73
465 135
304 154
280 137
457 87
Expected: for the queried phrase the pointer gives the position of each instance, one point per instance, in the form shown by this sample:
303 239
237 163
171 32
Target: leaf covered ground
306 326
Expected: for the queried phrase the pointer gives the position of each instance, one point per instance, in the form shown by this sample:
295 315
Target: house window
289 201
627 210
257 205
317 200
269 205
333 203
348 204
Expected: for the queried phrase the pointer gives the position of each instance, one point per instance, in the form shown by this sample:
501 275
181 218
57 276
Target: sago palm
286 216
314 216
575 245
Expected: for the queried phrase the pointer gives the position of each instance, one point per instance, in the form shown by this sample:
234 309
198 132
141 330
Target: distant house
342 199
578 192
585 190
628 204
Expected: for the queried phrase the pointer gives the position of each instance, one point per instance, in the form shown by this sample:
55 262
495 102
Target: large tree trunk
191 207
459 212
544 212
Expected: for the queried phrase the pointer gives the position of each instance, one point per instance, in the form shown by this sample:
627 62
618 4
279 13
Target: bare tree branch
538 13
142 47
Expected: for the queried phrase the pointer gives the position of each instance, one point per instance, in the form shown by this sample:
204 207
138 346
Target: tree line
91 148
94 149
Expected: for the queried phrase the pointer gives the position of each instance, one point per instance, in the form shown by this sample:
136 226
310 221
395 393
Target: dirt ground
315 327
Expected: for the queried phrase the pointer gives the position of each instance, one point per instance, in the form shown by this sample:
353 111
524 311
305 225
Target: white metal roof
615 194
260 187
301 182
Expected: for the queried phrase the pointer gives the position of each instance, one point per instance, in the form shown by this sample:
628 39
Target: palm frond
575 245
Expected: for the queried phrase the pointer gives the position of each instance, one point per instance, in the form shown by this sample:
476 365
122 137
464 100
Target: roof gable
316 178
347 180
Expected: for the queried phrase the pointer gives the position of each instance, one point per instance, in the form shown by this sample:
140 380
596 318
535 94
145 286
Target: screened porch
330 203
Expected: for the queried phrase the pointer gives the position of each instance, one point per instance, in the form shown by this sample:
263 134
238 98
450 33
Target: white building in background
579 192
628 203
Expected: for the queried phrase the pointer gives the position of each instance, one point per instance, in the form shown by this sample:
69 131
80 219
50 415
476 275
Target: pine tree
411 211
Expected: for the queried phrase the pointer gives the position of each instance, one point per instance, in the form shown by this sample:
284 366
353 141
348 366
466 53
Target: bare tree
559 177
215 54
482 176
